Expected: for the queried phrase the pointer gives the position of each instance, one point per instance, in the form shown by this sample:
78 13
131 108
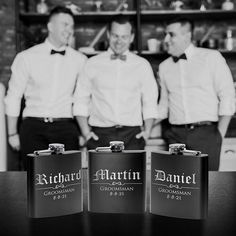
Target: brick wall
7 38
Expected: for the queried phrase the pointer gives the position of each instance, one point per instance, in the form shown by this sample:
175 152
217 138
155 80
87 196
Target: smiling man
197 93
116 92
45 75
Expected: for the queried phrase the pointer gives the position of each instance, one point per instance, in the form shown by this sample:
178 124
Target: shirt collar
110 51
50 46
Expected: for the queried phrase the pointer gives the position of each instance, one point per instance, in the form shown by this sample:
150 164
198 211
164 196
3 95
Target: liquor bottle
229 42
179 183
116 179
54 182
42 7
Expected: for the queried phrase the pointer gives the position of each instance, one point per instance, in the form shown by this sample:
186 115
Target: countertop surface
14 220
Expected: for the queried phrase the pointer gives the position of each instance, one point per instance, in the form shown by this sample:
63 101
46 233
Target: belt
194 125
48 119
115 127
120 126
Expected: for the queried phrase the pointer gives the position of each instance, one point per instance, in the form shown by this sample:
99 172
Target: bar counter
14 220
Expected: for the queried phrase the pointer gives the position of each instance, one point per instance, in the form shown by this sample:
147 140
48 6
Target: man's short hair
183 21
121 19
59 9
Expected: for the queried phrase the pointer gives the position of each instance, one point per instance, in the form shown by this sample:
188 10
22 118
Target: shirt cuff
149 113
162 112
80 110
12 108
227 107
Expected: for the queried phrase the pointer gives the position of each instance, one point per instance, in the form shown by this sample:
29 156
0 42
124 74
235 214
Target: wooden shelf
158 55
228 53
146 15
193 14
33 17
139 16
95 52
161 55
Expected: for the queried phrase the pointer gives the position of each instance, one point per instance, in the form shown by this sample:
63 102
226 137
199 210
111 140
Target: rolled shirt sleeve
163 102
149 93
224 86
82 94
17 86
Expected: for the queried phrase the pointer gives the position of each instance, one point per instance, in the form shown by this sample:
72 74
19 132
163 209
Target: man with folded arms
197 93
46 76
116 92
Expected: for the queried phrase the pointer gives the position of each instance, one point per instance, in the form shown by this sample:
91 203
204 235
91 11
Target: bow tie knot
58 52
182 56
118 56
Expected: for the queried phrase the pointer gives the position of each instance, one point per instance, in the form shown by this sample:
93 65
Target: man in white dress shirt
45 75
197 93
116 92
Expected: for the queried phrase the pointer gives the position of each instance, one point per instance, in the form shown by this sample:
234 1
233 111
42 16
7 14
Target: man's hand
14 141
90 135
143 134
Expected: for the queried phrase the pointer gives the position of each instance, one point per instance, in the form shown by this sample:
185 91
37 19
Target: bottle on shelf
42 7
125 5
203 6
229 40
206 5
227 5
73 7
98 5
177 5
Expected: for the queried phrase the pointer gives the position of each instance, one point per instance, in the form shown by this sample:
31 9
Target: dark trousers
125 133
206 139
37 135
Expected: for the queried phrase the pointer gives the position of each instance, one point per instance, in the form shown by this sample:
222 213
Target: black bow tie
182 56
118 56
59 52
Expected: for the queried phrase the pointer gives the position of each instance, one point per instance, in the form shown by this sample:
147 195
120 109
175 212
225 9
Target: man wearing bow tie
116 92
46 75
197 93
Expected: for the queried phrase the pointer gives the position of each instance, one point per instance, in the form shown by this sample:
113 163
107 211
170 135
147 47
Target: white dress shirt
46 81
116 92
197 89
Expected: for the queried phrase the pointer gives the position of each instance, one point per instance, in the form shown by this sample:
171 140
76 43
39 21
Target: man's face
177 38
61 28
120 37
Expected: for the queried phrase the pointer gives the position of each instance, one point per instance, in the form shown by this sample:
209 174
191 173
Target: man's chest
187 76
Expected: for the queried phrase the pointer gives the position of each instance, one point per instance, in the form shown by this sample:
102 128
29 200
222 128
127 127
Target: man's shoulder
137 57
99 58
206 51
30 52
34 49
76 53
134 58
207 55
